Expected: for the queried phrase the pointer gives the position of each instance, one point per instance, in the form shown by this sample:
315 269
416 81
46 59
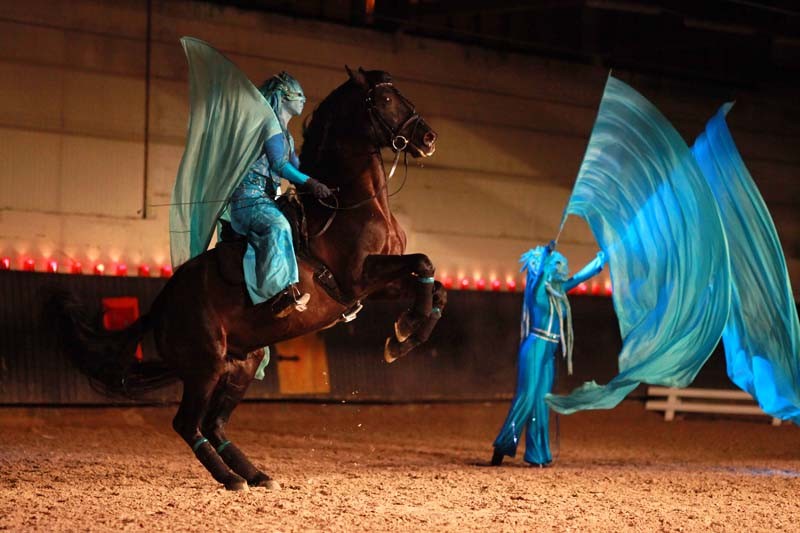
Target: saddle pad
229 260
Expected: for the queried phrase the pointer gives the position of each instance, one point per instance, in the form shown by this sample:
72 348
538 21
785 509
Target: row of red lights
75 267
143 270
478 283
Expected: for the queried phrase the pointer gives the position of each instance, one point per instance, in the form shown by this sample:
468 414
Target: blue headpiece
280 87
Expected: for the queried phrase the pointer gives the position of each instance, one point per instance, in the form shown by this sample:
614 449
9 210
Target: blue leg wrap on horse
223 446
425 280
199 442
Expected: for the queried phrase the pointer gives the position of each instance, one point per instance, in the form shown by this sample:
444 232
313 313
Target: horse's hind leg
229 393
193 407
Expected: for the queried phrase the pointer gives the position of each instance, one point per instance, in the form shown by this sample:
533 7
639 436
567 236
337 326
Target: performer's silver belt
546 335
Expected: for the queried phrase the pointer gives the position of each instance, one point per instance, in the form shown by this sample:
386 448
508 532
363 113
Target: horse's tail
106 357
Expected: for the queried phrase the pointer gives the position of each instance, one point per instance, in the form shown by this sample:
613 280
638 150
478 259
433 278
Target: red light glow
166 271
29 265
76 268
52 266
480 284
582 288
511 285
122 269
119 313
5 263
495 285
144 270
447 282
464 283
607 288
99 269
595 288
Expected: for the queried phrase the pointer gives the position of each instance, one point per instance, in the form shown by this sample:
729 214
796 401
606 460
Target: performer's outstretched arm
287 169
594 267
281 164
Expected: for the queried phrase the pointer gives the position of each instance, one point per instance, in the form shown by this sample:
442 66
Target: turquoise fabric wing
654 215
762 336
228 123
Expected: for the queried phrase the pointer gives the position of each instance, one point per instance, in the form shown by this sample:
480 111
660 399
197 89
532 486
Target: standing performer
544 311
270 267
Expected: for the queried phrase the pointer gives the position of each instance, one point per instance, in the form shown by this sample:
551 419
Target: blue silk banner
652 212
762 335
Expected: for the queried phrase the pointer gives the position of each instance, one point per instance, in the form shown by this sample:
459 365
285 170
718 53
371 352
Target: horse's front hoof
262 480
387 351
236 483
403 328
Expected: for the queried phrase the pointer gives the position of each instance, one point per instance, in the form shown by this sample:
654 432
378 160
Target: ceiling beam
481 7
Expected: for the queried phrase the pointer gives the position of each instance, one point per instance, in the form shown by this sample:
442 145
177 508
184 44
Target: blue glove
318 189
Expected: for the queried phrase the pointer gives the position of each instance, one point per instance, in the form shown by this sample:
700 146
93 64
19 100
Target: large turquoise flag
652 212
762 336
228 123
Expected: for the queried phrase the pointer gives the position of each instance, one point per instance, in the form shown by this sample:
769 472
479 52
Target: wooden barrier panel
302 365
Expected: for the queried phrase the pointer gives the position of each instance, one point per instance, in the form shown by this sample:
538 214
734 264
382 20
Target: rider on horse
207 332
238 148
270 267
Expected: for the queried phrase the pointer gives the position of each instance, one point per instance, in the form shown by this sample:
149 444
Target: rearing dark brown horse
209 334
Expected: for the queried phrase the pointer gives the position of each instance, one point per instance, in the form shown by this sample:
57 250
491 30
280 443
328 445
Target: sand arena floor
397 468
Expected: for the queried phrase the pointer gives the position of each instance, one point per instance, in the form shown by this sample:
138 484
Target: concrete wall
93 116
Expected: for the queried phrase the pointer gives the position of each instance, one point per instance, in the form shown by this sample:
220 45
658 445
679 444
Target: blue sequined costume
269 262
546 324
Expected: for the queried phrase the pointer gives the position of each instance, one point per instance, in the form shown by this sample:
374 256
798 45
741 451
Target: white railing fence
691 400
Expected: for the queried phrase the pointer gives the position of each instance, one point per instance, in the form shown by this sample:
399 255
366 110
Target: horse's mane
335 116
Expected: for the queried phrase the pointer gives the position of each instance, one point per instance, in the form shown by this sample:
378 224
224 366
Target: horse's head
392 119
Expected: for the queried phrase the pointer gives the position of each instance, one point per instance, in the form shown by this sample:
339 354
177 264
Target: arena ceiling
741 42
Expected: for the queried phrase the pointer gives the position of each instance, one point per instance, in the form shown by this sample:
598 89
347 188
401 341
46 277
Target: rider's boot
288 300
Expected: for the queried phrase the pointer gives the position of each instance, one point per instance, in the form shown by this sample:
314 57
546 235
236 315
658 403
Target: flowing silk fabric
654 215
762 335
228 124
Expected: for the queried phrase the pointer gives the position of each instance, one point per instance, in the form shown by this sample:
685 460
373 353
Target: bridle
397 140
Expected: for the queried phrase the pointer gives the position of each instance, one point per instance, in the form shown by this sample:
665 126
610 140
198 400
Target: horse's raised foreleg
229 393
399 345
416 323
194 405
